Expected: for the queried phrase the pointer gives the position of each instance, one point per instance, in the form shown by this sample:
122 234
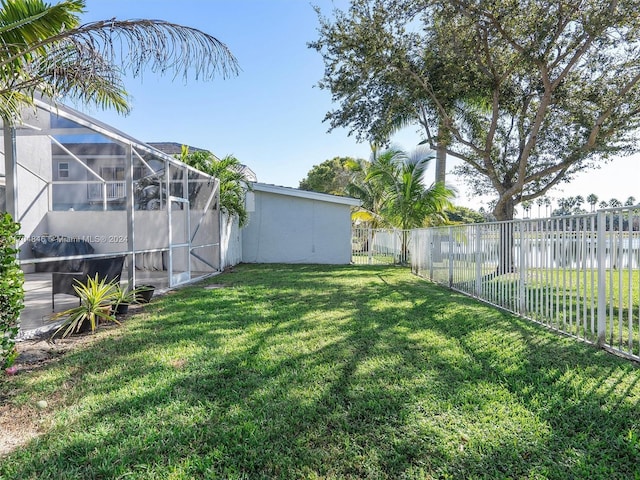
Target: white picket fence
576 274
370 246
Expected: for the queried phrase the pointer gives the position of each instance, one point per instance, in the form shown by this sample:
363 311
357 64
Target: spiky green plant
96 299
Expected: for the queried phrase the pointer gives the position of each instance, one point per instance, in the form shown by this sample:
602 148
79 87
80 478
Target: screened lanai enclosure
85 193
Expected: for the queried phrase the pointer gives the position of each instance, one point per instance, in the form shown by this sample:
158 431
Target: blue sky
270 116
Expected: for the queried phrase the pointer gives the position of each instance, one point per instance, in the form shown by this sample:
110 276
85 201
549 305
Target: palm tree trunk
405 247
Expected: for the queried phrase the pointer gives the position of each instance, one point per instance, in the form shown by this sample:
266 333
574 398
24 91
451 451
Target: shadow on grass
335 372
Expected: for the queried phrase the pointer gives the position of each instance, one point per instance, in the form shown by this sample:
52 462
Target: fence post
370 245
522 305
397 257
450 257
601 250
478 260
431 241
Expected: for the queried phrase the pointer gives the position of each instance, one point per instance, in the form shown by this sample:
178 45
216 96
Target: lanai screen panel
88 169
73 179
71 183
151 218
204 223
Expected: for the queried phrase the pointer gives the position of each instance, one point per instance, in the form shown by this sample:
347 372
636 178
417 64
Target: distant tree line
574 205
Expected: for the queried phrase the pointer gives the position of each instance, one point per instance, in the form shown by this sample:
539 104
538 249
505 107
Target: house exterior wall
287 228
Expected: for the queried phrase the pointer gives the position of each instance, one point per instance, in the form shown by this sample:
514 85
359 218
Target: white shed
287 225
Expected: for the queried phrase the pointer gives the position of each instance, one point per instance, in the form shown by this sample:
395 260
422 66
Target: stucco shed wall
291 229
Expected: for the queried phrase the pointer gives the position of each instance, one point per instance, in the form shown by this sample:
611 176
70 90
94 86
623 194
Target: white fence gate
370 246
576 274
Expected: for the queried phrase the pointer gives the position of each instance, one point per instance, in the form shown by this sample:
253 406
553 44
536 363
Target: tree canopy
44 48
331 176
391 187
529 93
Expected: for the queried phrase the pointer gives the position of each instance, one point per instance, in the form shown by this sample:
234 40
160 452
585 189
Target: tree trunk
441 161
404 259
441 154
504 213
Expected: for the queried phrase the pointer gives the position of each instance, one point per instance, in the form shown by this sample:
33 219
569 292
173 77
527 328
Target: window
112 173
118 173
63 170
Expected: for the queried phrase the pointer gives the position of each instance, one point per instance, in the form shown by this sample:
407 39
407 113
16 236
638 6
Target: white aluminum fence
577 274
380 246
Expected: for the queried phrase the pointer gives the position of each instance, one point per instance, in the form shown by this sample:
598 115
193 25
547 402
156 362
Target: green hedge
11 289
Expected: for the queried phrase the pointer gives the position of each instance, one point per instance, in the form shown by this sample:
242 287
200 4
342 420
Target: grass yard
327 372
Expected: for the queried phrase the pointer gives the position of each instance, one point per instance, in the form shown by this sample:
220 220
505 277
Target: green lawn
328 372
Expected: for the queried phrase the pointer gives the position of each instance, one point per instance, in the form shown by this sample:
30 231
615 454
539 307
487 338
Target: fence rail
576 274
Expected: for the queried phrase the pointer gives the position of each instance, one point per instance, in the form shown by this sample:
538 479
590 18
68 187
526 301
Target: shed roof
296 192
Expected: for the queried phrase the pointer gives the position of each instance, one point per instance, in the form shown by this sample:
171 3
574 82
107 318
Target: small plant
96 299
144 293
123 297
9 359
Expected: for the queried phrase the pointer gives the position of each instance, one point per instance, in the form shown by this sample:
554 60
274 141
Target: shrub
11 289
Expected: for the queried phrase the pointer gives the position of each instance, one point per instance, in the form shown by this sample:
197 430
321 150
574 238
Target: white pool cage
83 190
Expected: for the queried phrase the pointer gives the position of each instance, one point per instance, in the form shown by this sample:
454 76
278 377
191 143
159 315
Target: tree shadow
400 379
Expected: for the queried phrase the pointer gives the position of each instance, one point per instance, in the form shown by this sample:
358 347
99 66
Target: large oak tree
526 93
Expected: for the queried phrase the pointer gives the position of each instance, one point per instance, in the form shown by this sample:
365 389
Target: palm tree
631 201
408 203
564 206
570 206
230 172
547 206
540 202
370 192
44 48
592 198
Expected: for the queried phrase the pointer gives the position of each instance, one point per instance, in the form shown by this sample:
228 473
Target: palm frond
43 48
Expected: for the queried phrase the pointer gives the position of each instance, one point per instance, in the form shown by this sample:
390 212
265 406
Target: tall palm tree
592 198
547 206
44 48
540 202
